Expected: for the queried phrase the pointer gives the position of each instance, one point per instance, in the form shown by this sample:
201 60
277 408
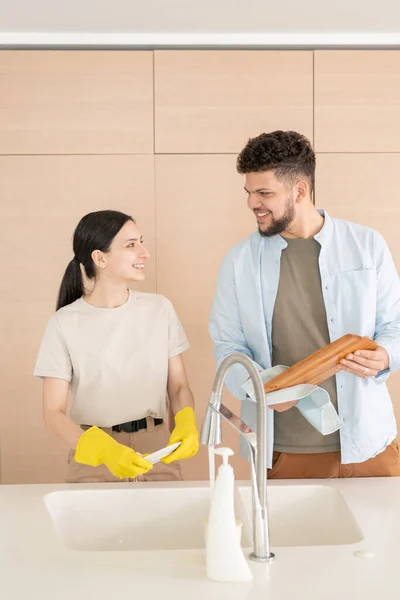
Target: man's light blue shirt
361 291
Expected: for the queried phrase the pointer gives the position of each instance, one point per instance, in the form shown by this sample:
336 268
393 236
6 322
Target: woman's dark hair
287 153
95 231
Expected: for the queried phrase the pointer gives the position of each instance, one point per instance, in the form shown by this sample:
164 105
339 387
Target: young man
301 281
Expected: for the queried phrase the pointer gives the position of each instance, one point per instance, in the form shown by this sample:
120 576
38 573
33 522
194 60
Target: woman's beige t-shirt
116 359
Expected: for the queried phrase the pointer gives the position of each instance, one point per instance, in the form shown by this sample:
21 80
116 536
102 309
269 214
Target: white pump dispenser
225 560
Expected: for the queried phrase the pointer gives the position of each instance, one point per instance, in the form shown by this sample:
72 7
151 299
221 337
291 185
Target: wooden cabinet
213 101
43 198
357 101
156 135
76 102
201 212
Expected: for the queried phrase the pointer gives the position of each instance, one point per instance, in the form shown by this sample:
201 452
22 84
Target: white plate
155 457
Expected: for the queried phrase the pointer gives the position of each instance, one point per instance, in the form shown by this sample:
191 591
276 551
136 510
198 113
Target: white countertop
35 564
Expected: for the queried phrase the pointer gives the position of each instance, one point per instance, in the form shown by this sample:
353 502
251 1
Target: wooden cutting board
321 364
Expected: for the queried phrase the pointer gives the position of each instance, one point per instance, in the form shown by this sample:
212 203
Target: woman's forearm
60 425
181 398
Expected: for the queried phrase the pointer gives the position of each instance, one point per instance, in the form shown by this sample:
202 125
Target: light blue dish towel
313 402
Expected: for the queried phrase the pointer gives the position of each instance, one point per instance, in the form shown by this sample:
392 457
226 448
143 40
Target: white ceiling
123 20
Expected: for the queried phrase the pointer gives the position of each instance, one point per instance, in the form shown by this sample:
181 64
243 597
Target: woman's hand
95 447
185 431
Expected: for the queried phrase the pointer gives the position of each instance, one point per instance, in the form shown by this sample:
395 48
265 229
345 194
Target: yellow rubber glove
185 431
95 447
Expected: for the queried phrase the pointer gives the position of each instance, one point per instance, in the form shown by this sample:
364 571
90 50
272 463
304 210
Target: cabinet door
43 198
213 101
201 212
357 101
76 102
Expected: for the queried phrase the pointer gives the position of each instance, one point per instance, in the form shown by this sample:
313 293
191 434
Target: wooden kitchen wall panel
357 100
201 213
43 198
76 102
362 188
213 101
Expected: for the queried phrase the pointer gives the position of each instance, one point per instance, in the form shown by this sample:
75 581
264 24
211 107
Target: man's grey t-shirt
299 327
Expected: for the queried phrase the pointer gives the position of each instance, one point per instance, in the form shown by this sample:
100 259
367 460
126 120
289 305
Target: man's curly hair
287 153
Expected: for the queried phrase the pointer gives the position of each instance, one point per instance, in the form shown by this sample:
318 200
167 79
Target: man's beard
279 225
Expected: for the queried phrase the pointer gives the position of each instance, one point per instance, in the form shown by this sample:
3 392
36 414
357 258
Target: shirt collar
326 228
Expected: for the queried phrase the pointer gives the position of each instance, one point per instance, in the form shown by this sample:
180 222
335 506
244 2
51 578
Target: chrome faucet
211 435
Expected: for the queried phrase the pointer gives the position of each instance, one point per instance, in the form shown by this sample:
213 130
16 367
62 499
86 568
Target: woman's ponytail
71 287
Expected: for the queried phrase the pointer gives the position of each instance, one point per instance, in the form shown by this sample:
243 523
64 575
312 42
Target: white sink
133 519
306 515
173 518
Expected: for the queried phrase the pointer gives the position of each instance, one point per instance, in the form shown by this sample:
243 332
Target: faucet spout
257 444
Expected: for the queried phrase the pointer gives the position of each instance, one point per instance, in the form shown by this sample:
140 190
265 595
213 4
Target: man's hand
366 363
283 405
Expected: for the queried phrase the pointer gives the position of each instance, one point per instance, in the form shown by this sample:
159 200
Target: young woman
118 352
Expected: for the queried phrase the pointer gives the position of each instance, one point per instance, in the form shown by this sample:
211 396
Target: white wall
199 17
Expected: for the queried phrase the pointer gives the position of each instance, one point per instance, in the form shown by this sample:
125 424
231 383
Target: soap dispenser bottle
225 560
